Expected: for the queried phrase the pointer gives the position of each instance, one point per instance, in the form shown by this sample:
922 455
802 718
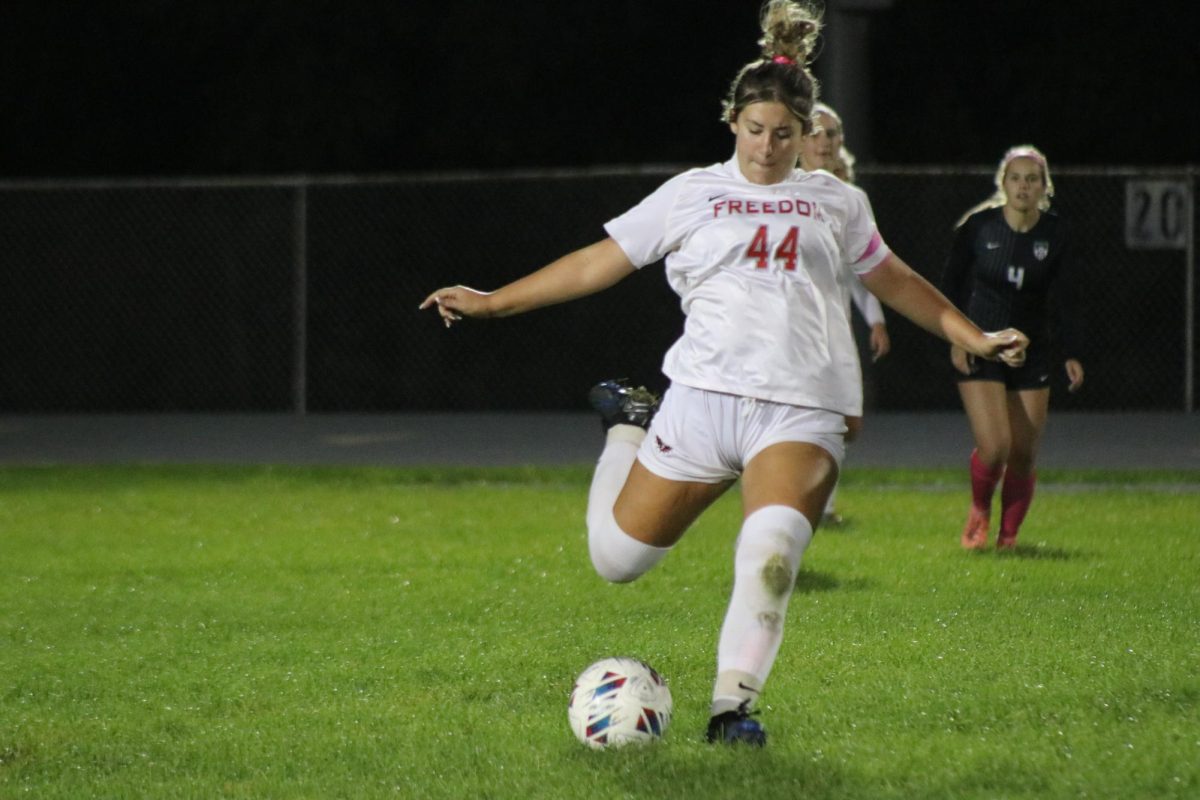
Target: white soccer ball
618 701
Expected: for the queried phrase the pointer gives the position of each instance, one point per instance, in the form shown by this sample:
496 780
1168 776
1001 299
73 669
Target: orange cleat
1006 541
975 532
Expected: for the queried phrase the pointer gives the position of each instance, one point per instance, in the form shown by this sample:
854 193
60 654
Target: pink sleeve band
875 243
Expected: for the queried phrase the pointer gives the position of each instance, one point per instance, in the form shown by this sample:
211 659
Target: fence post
1189 293
300 300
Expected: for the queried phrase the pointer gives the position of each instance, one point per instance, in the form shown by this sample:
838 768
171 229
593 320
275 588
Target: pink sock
1015 498
983 482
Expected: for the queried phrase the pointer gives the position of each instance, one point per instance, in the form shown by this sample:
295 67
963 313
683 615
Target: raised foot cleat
736 727
622 404
975 532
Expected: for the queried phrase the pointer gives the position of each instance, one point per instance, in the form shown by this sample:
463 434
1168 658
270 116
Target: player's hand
963 361
1074 374
881 343
455 302
1007 346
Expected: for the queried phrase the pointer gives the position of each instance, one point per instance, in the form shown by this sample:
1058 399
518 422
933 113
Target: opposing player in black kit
1009 254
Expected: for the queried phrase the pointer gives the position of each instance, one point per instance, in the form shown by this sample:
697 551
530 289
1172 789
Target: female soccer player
825 149
1009 253
765 371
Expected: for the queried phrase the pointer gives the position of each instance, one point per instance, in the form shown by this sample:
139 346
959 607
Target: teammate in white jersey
766 368
825 149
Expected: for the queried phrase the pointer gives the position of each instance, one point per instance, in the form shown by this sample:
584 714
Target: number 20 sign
1157 214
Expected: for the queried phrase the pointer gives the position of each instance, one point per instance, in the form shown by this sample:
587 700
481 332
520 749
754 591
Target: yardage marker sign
1158 214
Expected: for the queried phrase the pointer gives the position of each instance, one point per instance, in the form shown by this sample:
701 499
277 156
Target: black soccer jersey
1004 279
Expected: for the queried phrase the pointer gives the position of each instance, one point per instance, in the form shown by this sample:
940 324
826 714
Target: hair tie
784 60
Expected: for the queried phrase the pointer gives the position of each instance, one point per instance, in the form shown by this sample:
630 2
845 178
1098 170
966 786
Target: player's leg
1027 412
986 405
616 555
784 489
831 518
635 516
854 426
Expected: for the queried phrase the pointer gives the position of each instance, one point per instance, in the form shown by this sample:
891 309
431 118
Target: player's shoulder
821 179
1052 218
981 222
1051 225
830 190
991 215
855 189
858 193
698 180
683 188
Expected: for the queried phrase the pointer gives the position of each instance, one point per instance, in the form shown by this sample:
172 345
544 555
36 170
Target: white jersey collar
735 171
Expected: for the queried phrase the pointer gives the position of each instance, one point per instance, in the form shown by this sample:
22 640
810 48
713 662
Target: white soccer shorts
709 437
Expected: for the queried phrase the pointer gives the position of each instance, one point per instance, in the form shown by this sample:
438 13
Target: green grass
320 633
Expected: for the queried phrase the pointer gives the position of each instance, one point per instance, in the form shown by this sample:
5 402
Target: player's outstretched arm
901 288
578 274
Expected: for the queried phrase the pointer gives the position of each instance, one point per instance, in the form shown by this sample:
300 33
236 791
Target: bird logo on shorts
662 446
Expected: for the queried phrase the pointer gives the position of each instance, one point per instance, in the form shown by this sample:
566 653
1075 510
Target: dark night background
353 122
153 87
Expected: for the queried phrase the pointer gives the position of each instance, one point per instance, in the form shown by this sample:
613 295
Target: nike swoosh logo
747 688
992 245
715 196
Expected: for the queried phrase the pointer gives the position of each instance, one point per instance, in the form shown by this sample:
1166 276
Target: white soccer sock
616 555
769 549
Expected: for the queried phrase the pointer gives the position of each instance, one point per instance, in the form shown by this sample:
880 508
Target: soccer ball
617 701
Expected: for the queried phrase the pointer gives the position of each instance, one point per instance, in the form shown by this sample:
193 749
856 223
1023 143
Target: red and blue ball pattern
618 701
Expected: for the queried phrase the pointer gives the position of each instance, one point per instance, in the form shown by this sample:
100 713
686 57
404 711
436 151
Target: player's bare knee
1021 460
994 454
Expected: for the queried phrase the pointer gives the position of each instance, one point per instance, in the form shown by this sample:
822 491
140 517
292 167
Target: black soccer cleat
622 404
736 727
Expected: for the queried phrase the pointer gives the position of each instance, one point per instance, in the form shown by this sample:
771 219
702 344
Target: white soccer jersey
868 304
762 272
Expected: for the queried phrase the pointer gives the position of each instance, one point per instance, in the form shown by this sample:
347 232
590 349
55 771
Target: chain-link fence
300 294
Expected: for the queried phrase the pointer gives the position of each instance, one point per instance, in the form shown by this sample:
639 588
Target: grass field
323 633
